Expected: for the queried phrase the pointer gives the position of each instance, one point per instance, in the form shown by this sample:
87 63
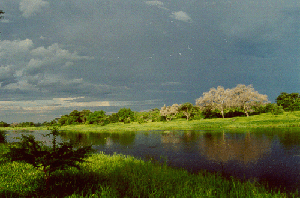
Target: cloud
181 16
7 48
40 69
53 56
4 20
155 3
49 105
171 83
159 4
31 7
42 106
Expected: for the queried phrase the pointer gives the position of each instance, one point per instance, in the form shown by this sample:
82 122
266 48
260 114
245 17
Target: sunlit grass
122 176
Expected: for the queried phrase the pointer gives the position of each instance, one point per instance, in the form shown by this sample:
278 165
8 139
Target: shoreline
265 120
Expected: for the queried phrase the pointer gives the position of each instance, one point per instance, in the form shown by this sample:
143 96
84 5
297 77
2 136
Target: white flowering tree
169 112
216 99
246 98
242 97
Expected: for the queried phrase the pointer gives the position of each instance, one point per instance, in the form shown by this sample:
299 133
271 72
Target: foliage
216 99
24 124
246 98
84 114
126 115
274 109
2 137
58 157
142 117
152 115
97 117
4 124
289 102
114 118
223 101
189 110
169 112
155 115
82 117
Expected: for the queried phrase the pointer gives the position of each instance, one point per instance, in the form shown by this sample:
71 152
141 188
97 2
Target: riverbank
287 119
123 176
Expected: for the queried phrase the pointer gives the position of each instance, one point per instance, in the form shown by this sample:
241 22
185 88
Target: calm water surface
271 155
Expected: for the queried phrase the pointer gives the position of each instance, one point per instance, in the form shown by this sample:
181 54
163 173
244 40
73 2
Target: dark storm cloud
164 51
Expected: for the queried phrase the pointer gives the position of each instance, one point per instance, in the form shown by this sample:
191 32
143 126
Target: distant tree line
125 115
218 102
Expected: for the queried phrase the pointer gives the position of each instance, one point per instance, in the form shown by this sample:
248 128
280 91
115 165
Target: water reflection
244 148
271 155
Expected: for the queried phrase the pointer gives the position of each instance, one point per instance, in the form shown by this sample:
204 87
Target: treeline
217 103
125 115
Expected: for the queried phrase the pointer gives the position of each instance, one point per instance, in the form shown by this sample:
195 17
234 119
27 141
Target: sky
57 56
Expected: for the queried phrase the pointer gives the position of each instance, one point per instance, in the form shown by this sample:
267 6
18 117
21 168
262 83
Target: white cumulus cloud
156 3
181 16
159 4
31 7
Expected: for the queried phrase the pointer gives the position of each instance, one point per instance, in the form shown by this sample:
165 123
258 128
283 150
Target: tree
125 115
169 112
246 98
215 99
57 157
3 124
84 115
1 12
74 117
242 97
98 117
64 120
289 102
188 109
113 118
274 109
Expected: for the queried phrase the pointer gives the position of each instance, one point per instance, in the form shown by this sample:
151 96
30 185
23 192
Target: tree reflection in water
234 147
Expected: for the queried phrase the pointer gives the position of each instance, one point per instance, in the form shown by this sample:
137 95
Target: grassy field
123 176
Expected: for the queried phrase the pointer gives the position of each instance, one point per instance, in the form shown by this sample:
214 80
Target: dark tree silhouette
1 12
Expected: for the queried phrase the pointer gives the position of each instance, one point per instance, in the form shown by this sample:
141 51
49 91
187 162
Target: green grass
123 176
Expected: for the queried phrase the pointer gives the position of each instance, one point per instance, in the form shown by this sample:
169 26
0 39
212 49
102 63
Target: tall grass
123 176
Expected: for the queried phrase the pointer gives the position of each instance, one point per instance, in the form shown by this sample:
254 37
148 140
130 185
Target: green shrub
58 157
